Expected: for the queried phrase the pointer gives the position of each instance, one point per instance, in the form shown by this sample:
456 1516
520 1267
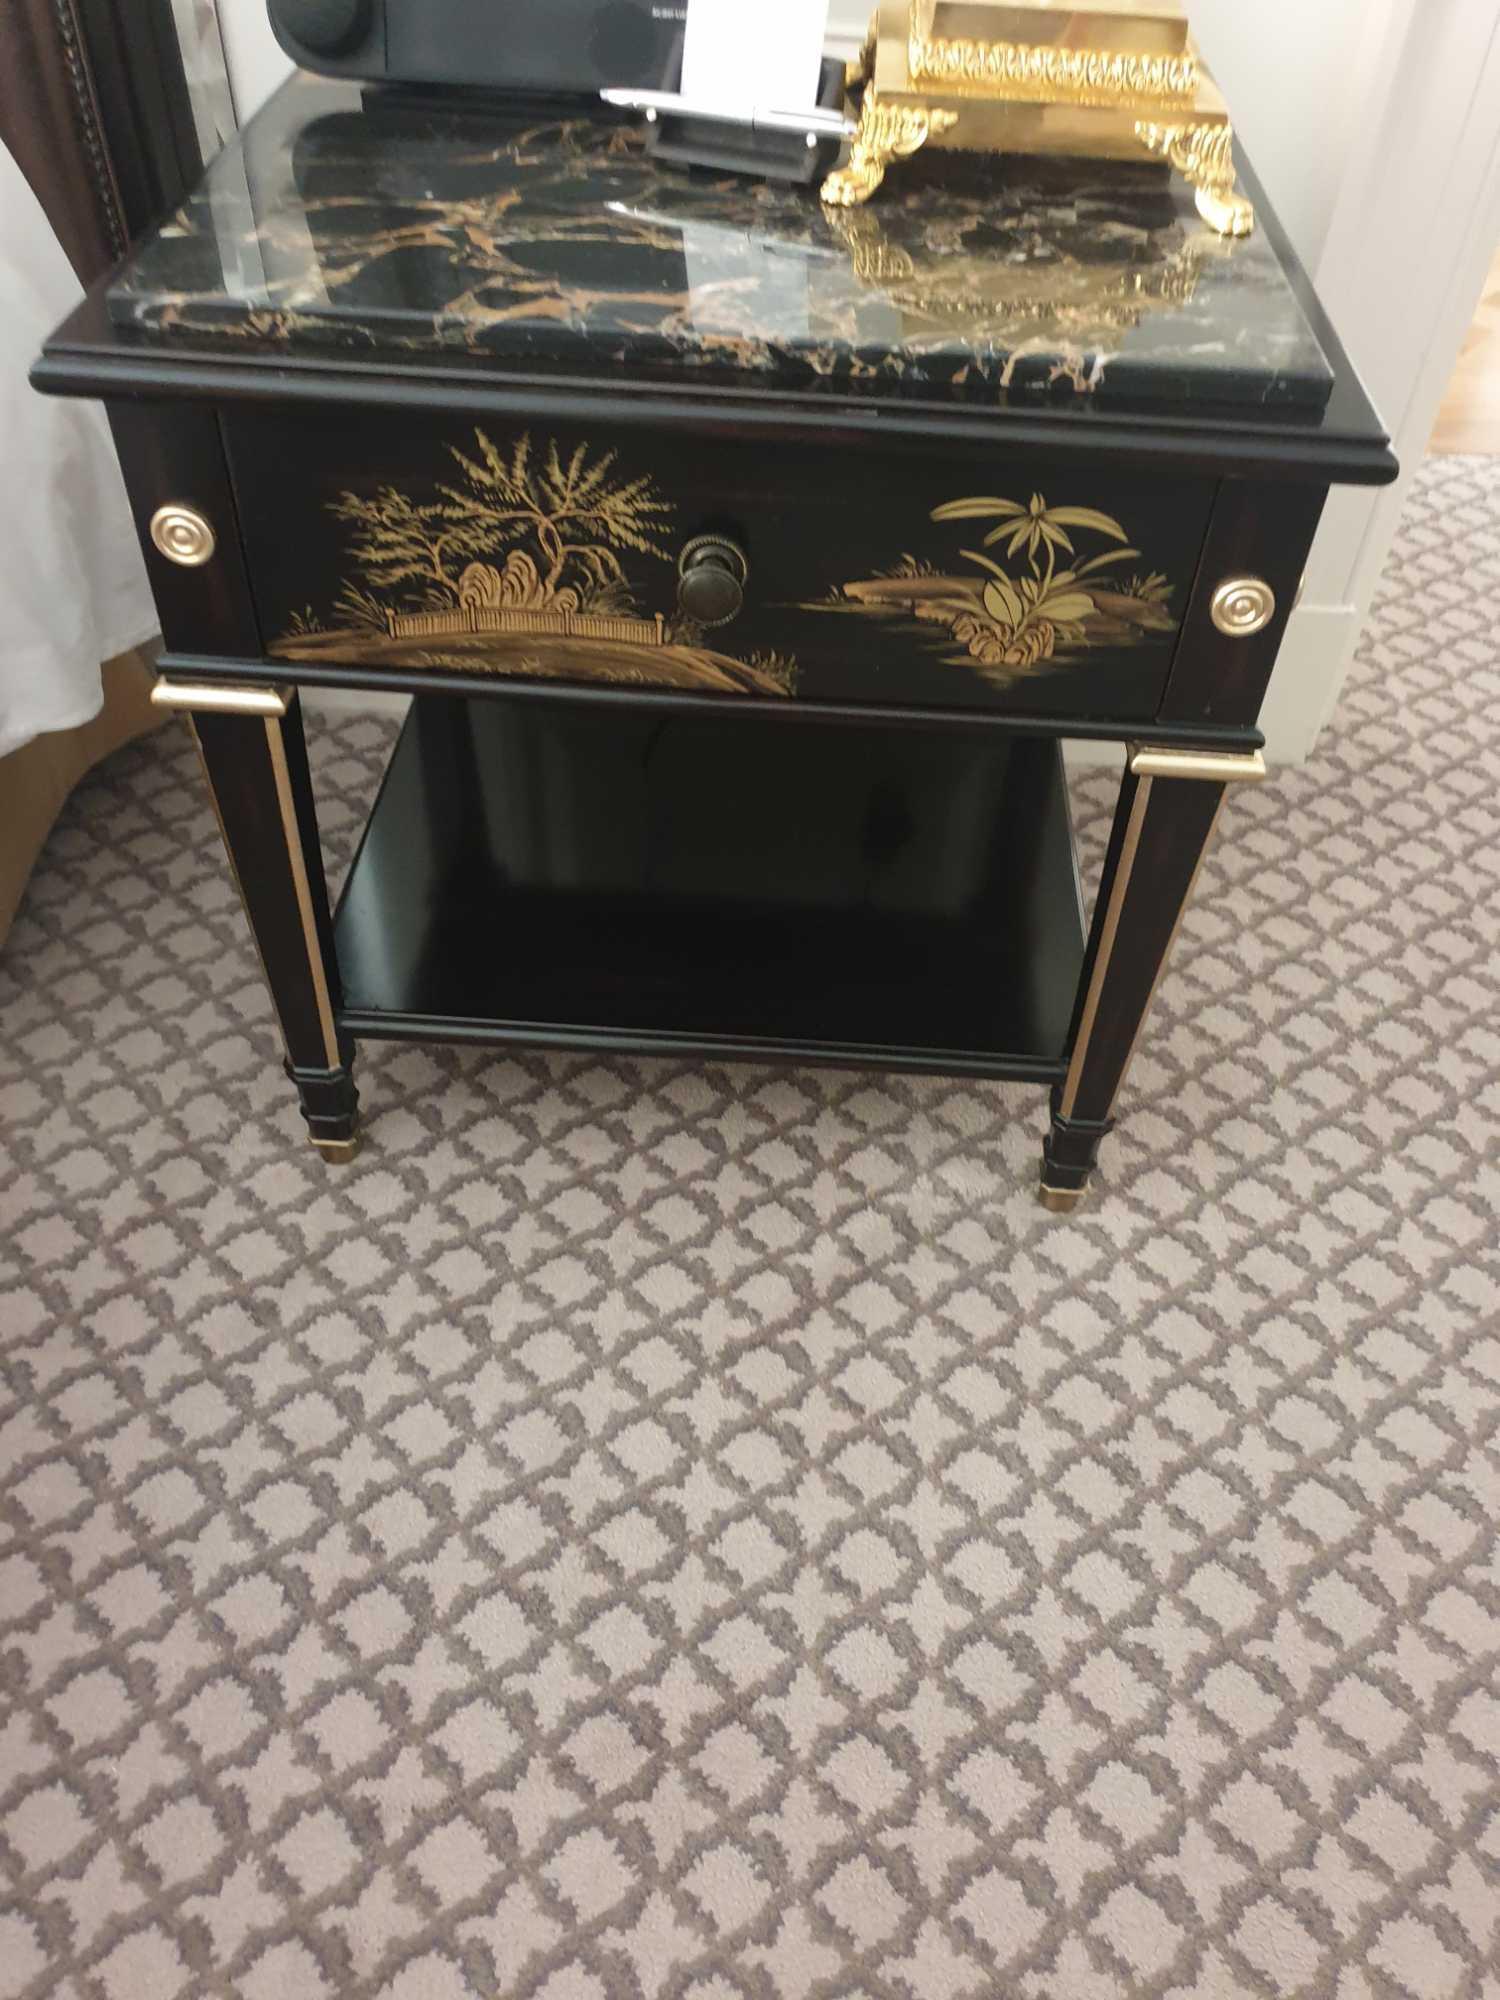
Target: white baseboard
1310 671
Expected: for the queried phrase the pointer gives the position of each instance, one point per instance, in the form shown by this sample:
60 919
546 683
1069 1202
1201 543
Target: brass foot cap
338 1152
1061 1201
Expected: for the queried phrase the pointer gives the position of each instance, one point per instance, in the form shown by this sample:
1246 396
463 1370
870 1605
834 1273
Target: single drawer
734 565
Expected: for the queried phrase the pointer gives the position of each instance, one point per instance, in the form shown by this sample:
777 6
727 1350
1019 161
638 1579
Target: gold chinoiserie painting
533 561
1031 603
514 566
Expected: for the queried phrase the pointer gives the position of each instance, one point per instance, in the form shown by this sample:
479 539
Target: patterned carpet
660 1531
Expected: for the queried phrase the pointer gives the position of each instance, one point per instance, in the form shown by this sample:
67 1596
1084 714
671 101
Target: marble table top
382 222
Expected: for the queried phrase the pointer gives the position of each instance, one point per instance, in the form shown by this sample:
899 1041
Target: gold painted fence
544 624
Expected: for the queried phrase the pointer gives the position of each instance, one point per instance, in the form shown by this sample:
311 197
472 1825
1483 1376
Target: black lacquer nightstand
748 563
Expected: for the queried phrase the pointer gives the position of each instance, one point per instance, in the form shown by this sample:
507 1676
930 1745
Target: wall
1291 70
1407 252
256 63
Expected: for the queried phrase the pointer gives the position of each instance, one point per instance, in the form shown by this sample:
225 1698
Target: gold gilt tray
1120 79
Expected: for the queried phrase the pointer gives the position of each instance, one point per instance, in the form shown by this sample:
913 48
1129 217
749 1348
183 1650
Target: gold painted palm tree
1027 611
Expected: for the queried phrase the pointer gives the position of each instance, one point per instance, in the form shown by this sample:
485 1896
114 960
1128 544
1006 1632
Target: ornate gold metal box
1119 79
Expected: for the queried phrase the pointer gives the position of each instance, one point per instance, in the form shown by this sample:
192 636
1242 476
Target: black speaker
543 45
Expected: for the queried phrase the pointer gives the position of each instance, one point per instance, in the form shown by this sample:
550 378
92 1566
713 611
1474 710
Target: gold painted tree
571 511
405 548
574 512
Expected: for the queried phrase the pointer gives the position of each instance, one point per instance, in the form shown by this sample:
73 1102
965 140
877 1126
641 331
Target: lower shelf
771 889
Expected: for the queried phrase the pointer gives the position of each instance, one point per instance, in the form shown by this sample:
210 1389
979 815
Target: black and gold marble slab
387 223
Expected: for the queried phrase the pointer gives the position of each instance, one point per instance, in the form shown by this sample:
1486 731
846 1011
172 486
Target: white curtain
72 584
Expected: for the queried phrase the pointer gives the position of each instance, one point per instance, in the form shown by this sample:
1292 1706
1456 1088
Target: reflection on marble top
387 223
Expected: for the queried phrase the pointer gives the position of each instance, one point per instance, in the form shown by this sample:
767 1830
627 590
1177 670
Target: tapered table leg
255 757
1169 803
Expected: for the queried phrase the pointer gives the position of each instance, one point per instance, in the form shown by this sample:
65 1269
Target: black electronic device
630 51
552 46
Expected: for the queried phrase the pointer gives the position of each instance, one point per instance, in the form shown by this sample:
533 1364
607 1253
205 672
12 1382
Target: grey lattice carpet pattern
703 1532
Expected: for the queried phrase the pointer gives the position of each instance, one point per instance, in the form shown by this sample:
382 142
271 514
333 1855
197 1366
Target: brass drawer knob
711 573
182 535
1243 606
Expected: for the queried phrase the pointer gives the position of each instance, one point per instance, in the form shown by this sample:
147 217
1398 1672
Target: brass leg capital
218 698
1213 767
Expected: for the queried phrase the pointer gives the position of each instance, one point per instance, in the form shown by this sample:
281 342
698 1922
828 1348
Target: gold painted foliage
520 527
1027 610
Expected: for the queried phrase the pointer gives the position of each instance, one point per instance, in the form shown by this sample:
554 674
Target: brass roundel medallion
182 535
1243 606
